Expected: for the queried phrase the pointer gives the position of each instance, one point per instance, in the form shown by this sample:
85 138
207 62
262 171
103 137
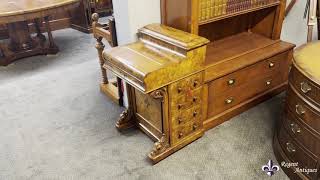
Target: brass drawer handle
299 110
231 82
229 100
290 148
179 90
269 82
180 135
305 87
271 65
295 128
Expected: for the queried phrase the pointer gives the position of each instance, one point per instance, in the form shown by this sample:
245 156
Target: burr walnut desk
16 14
170 89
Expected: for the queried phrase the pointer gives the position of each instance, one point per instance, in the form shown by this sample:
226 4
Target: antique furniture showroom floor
204 92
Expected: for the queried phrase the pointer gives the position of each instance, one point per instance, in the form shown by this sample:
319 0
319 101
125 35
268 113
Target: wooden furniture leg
53 48
126 119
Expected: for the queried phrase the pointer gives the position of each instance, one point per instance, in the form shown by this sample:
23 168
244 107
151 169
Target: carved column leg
38 25
126 119
100 47
53 48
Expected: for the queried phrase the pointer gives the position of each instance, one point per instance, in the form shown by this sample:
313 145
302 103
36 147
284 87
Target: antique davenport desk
180 84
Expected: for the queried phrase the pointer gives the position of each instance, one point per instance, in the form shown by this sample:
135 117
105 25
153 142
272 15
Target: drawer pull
290 148
229 100
269 82
299 110
295 128
271 65
179 90
180 135
305 87
195 83
195 99
231 82
180 120
195 113
195 127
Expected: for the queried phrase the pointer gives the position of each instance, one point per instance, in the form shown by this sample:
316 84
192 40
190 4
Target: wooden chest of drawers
297 139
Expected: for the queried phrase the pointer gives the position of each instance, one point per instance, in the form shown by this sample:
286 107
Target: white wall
295 28
131 15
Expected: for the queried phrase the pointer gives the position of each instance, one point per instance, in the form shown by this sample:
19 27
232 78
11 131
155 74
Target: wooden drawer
221 102
295 153
184 131
301 109
301 134
304 86
192 114
183 86
248 74
181 103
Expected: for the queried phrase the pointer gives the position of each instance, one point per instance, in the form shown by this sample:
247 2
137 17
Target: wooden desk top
13 10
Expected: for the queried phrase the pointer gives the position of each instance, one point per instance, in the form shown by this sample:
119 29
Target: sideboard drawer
221 102
304 86
302 110
249 74
295 153
301 134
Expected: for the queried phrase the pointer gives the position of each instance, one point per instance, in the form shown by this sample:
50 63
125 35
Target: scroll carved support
159 147
159 94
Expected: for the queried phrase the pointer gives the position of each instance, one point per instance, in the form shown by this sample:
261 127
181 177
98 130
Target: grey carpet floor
55 124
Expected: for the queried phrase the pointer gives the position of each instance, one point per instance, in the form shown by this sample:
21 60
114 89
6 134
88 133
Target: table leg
19 35
53 48
22 45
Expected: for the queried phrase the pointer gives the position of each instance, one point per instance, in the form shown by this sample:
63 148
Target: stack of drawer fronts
298 138
185 97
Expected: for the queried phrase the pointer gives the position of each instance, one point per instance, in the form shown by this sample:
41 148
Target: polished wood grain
16 15
297 138
190 77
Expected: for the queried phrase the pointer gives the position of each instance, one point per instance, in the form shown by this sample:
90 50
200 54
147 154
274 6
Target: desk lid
162 55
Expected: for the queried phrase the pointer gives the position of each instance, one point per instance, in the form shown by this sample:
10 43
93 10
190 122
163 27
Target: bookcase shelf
224 16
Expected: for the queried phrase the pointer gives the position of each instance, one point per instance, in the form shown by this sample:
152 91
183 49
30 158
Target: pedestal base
22 45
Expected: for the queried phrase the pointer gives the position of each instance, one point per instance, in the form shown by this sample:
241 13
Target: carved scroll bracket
159 147
159 94
125 120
